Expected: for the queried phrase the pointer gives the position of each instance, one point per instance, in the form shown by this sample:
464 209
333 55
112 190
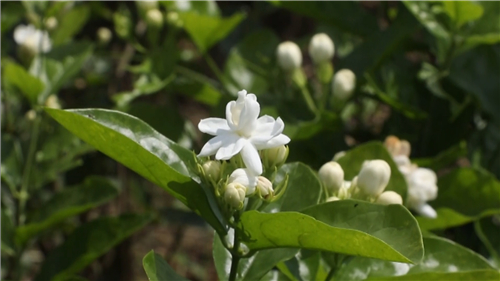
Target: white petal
249 114
244 177
213 126
231 145
211 147
274 142
22 32
427 211
251 159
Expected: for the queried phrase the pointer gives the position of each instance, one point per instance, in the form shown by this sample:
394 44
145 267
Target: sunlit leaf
157 269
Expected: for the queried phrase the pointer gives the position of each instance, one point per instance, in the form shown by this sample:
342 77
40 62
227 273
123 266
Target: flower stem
330 274
235 256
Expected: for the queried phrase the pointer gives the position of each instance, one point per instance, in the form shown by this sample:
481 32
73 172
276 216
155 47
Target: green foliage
158 269
30 86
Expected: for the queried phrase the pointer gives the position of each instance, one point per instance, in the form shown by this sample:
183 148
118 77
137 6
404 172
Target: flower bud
31 115
212 170
289 56
421 187
31 41
147 5
389 197
393 145
321 48
405 148
426 210
53 102
246 178
344 83
50 23
274 157
374 177
173 19
344 191
154 18
331 176
104 35
264 187
234 195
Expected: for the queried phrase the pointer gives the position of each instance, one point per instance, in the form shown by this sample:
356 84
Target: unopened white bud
234 195
343 84
422 187
212 170
374 177
389 197
147 5
53 102
426 210
31 115
264 187
344 192
321 48
274 157
50 23
31 40
154 18
331 175
104 35
289 56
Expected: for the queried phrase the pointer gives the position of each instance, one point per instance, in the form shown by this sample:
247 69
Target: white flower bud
426 210
374 177
331 175
50 23
104 35
212 170
389 197
274 157
264 187
246 178
53 102
343 84
422 187
234 195
344 191
32 40
31 115
289 56
154 18
321 48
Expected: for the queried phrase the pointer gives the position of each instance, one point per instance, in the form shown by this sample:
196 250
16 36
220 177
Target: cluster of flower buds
369 184
321 51
422 182
31 41
248 151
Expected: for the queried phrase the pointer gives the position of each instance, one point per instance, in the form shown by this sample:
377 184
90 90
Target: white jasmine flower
289 56
426 210
246 178
274 157
212 170
389 197
264 186
422 187
32 39
242 132
321 48
374 177
234 195
331 175
343 84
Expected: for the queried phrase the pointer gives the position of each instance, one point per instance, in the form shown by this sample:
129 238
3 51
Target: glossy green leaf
70 24
303 190
443 159
348 226
157 269
485 30
67 203
443 260
422 10
136 145
29 85
462 12
253 268
307 265
11 14
488 230
352 161
200 91
469 191
206 31
446 218
89 242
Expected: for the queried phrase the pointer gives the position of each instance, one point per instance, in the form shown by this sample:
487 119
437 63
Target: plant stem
330 274
23 194
235 256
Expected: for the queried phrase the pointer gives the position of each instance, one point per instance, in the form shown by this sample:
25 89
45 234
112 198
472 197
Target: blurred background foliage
427 72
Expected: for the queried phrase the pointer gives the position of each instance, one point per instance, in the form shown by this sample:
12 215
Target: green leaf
203 92
348 226
136 145
469 191
70 24
443 260
446 218
352 161
11 14
29 85
206 30
296 197
89 242
462 12
487 229
158 269
443 159
8 231
253 268
67 203
423 12
485 30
